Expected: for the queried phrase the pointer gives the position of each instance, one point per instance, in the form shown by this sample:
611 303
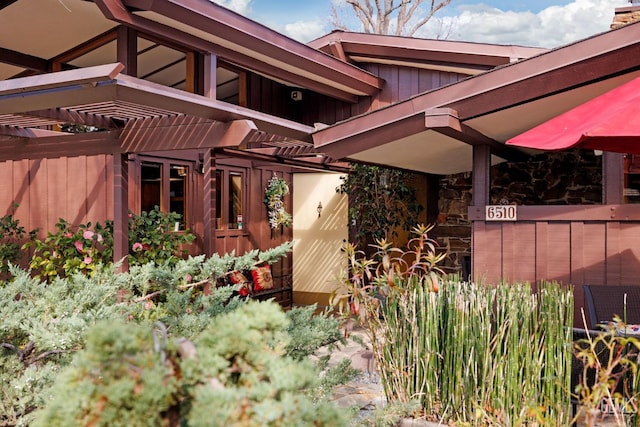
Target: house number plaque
501 213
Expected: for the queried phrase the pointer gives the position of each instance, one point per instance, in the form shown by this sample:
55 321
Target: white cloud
240 6
551 27
305 31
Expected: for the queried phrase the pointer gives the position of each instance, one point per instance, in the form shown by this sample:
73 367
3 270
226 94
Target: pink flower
78 245
87 260
188 278
88 234
137 246
68 235
99 238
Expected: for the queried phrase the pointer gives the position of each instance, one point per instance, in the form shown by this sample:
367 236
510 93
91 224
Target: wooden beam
29 132
481 178
567 213
127 49
23 60
67 116
210 197
121 210
83 76
183 132
613 178
64 145
5 3
210 64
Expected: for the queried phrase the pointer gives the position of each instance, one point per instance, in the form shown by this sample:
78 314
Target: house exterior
194 108
467 124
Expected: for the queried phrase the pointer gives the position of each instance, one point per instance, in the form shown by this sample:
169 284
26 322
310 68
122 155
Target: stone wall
561 178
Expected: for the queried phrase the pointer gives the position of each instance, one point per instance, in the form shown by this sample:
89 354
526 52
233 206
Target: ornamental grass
470 354
479 355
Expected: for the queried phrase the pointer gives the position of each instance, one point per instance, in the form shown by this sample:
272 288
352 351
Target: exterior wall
567 178
318 240
401 83
77 189
570 244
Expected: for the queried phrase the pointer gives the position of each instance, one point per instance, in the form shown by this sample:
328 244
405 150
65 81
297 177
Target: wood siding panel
613 250
6 187
559 252
38 195
50 189
76 199
57 190
520 252
20 192
598 248
99 189
588 253
487 250
630 254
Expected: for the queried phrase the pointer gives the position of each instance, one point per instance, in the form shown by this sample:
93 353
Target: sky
539 23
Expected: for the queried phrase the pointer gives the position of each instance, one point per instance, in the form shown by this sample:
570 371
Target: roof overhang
442 55
139 116
208 27
102 91
490 107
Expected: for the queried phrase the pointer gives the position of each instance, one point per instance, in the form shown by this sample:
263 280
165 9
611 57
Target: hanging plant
275 193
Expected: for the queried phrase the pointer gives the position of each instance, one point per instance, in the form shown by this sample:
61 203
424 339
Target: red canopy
609 122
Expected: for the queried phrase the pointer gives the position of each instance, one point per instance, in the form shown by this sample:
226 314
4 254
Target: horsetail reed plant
470 354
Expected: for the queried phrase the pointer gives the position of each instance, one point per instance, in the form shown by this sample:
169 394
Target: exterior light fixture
319 209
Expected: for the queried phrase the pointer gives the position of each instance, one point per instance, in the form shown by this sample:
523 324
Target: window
230 199
631 178
164 184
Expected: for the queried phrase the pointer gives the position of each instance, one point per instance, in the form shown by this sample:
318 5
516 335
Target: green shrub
84 247
12 236
72 249
152 238
105 324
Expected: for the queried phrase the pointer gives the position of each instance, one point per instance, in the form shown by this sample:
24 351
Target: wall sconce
319 209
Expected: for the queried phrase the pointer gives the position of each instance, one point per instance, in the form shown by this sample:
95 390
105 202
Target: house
195 108
464 127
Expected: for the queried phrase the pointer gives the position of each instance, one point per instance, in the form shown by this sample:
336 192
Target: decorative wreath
274 200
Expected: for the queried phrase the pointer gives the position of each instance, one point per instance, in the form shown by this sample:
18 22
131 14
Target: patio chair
603 303
606 301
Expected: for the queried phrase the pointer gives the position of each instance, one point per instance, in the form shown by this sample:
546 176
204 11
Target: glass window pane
178 191
151 186
219 199
235 200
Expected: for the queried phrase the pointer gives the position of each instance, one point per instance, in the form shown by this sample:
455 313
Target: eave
138 116
207 27
494 105
444 55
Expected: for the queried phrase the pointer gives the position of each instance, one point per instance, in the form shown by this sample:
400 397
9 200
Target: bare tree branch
377 16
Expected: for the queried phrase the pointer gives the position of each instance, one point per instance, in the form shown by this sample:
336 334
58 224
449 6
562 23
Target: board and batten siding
77 189
574 245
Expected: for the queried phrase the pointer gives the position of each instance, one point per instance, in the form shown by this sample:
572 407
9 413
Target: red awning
609 122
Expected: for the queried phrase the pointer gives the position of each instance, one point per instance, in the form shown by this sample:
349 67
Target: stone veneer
560 178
